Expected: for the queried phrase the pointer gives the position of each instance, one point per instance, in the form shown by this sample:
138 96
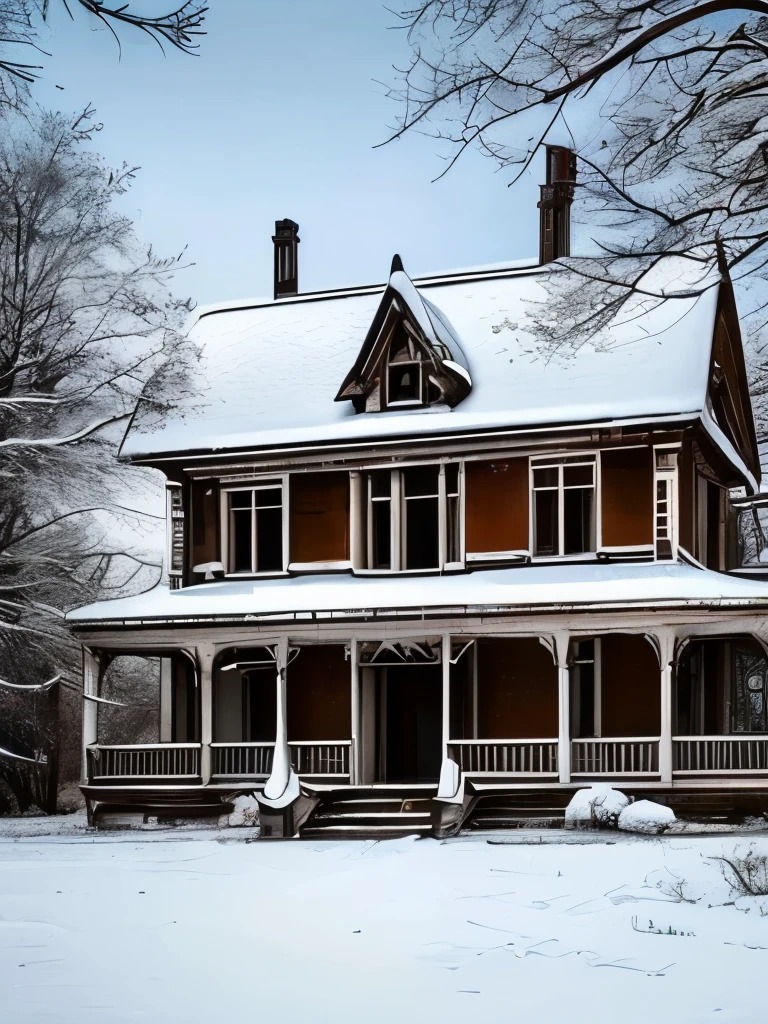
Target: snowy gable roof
269 372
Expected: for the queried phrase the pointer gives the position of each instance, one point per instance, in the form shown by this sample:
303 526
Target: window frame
271 482
398 502
560 462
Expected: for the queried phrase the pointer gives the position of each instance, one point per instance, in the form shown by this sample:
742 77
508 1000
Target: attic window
407 375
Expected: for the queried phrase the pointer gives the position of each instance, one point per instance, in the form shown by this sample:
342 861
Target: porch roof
514 590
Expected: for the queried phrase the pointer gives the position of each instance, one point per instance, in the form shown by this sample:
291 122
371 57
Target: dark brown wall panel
686 483
318 694
497 505
204 545
627 496
517 690
319 517
631 698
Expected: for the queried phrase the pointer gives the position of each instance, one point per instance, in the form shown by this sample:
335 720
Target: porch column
560 651
90 707
166 700
205 656
666 641
354 695
446 665
277 783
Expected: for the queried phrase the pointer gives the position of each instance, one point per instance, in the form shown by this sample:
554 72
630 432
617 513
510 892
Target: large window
413 518
253 528
563 506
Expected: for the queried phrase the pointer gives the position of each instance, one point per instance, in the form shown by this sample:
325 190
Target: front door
410 717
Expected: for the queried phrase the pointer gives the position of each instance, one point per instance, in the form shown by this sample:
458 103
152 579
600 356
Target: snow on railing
505 757
241 760
331 757
144 761
634 755
719 754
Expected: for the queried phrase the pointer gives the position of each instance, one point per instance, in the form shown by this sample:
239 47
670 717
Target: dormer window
411 356
408 380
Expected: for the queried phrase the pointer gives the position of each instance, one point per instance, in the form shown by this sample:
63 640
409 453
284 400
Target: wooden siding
319 517
204 545
517 689
497 505
627 496
318 694
631 686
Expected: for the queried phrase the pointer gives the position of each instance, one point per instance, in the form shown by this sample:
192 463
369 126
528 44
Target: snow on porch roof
269 371
538 588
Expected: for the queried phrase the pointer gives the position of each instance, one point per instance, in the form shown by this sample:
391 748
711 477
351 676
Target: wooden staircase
518 810
371 812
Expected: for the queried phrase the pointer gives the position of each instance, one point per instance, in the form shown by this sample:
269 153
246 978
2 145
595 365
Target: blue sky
278 117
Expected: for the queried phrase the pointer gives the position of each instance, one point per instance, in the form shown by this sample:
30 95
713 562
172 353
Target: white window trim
262 484
171 514
399 520
559 461
670 475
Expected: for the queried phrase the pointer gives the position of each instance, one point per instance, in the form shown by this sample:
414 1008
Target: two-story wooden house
418 571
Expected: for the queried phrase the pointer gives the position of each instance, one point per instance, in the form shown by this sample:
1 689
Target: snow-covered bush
245 813
646 816
597 806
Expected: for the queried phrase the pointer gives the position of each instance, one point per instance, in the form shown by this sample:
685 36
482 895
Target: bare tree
665 103
20 22
89 328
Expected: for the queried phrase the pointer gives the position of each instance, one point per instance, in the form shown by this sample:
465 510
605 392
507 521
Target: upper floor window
408 380
253 540
563 506
413 518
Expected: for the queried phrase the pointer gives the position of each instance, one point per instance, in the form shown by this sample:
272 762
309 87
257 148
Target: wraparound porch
559 709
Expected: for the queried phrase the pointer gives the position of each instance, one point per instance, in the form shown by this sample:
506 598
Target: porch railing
144 761
717 754
505 757
634 755
329 757
241 760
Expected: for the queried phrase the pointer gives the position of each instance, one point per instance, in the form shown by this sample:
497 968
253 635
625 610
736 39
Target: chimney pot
555 204
286 240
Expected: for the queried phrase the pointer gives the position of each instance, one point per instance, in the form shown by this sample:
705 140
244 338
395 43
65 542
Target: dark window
545 541
405 374
256 530
453 513
421 511
380 519
579 517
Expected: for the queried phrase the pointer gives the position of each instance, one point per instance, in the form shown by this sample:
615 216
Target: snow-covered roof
668 584
269 371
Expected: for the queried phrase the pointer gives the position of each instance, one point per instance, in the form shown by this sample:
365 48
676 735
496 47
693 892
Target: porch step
519 810
370 812
514 821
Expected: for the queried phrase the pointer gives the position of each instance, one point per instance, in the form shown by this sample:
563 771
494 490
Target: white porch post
354 695
277 783
666 641
205 656
356 513
560 645
166 700
90 707
446 660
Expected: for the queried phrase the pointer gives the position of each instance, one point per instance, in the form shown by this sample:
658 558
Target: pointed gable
728 390
411 355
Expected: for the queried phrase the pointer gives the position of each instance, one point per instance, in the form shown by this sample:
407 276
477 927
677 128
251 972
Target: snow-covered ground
205 926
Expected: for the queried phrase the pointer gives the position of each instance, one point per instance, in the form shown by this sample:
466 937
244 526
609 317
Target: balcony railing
505 757
241 760
715 755
635 755
329 757
146 761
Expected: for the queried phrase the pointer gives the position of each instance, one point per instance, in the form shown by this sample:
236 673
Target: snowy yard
204 926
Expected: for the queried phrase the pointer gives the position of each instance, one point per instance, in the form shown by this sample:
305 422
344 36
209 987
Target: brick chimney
555 204
286 239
